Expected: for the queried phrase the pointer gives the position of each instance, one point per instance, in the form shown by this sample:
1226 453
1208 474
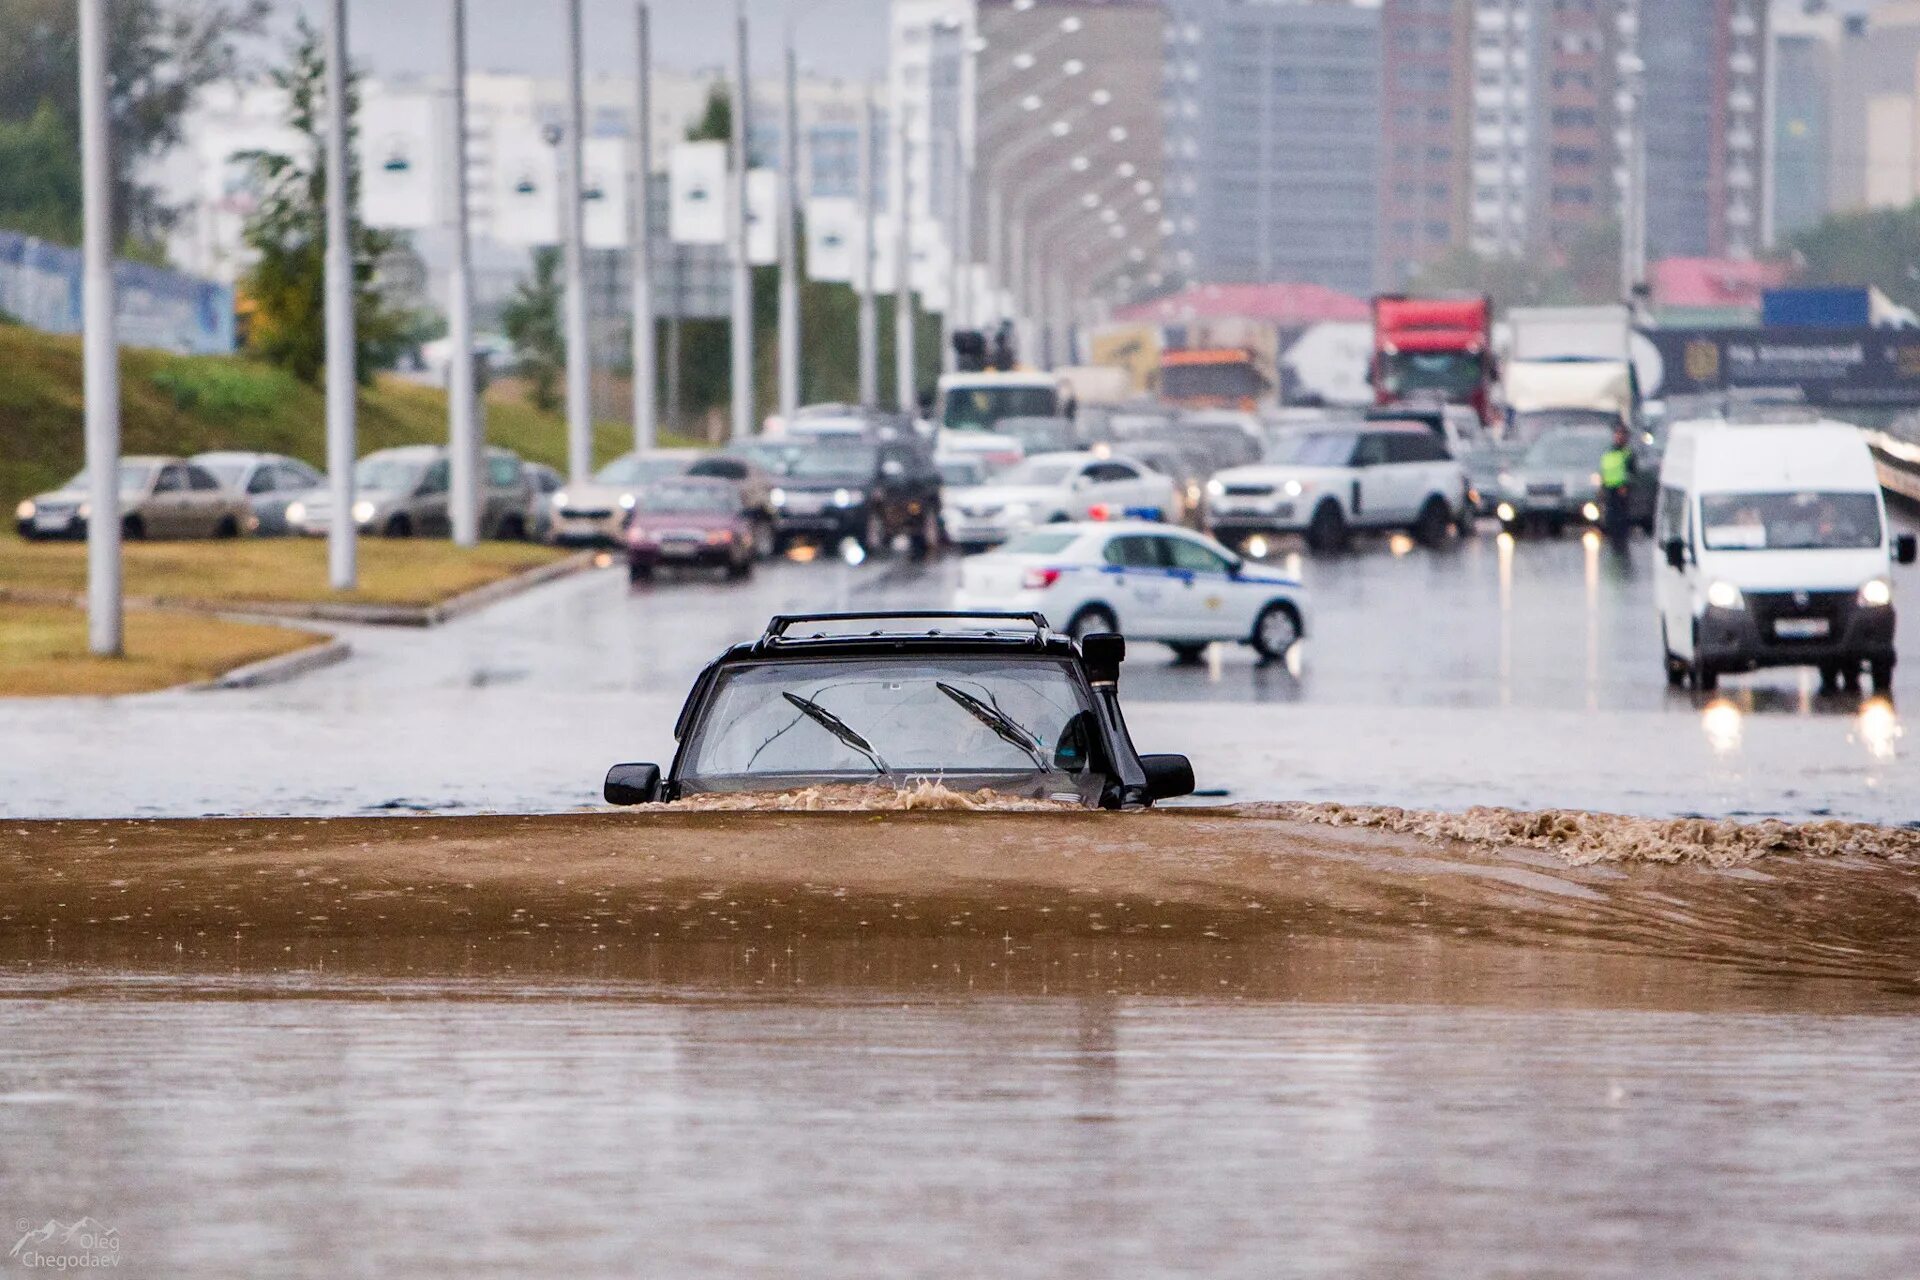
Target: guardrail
1898 462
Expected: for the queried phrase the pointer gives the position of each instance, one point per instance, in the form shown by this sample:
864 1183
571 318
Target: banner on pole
930 273
763 217
526 187
604 196
697 193
833 238
401 175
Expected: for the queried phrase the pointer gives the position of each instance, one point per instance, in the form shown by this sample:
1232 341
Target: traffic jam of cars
1169 520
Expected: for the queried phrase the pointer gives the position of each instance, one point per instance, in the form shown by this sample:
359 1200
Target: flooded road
1488 672
499 1127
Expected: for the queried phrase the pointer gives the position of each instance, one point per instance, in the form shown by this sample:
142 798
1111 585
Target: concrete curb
269 671
376 615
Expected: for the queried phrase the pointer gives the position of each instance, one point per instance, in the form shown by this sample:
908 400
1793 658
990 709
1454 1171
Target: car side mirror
1235 568
1676 552
1905 548
1168 776
633 784
1104 653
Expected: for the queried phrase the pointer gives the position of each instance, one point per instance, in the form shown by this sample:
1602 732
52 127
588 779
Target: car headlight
777 497
1724 595
560 498
1018 511
1877 594
628 502
296 513
25 510
843 497
85 510
1505 512
1215 489
363 511
1294 488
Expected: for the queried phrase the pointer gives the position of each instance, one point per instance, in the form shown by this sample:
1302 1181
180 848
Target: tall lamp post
742 329
463 427
342 375
101 344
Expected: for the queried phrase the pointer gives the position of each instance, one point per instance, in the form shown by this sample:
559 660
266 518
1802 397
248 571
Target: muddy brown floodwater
1306 1040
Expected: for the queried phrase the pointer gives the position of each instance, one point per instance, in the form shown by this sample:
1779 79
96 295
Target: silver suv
403 493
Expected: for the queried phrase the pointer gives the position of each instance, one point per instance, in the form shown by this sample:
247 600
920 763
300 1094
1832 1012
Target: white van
1773 550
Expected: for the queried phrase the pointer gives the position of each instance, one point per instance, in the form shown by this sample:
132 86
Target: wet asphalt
1489 671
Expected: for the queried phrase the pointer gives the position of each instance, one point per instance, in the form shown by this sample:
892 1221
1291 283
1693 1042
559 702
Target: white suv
1327 482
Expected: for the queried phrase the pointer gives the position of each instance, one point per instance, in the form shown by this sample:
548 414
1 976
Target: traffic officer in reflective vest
1616 478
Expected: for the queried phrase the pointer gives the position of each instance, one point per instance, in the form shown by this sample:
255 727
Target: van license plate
1800 628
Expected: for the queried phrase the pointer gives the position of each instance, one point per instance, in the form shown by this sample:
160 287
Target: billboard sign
1840 367
697 193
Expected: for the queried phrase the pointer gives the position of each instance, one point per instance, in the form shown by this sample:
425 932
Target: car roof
239 455
150 459
917 632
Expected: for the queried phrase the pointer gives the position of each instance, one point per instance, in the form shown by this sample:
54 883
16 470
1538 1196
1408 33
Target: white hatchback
1146 581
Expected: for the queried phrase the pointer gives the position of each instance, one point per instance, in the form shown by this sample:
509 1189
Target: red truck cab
1433 349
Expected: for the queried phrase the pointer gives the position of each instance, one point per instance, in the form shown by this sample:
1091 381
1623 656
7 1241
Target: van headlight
1215 489
628 502
777 497
843 498
1877 594
1724 595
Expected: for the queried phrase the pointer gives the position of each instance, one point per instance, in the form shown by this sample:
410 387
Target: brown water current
1309 1041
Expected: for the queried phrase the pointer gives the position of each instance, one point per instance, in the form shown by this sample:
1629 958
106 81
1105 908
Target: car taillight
1099 511
1039 579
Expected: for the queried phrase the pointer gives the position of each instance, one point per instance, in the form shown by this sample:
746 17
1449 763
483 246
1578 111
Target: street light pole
644 415
342 375
579 353
463 427
869 321
742 344
789 249
903 362
102 347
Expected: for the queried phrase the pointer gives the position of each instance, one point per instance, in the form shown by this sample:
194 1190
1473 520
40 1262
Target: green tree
39 177
1878 247
531 319
161 54
288 235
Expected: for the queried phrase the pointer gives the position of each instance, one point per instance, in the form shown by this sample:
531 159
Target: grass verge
277 570
173 404
43 651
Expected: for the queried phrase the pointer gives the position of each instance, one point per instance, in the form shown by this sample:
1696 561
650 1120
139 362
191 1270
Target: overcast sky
837 37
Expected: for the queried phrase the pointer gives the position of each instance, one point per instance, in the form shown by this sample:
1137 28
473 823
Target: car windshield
1451 373
689 498
834 462
229 474
1024 725
775 456
1575 447
1531 426
961 472
134 477
1038 472
1038 435
642 468
982 408
1315 449
1789 521
1041 542
386 475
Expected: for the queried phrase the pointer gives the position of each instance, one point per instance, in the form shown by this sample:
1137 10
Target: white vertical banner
697 193
605 194
526 186
400 168
931 273
763 217
833 238
886 256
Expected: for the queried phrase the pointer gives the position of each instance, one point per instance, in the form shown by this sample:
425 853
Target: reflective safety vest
1613 468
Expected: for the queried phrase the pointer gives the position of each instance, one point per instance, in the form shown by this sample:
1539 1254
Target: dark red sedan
689 521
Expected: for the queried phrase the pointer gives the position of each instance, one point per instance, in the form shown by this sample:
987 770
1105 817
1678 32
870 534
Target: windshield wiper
997 720
839 728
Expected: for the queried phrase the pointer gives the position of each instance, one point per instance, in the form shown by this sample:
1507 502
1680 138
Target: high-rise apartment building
1426 114
1273 140
1704 108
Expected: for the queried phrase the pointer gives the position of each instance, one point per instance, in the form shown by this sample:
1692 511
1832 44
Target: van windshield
1789 521
982 408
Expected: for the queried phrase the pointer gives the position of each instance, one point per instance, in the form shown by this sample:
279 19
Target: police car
1147 581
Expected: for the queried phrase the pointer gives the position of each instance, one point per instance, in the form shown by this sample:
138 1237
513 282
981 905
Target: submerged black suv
870 489
971 700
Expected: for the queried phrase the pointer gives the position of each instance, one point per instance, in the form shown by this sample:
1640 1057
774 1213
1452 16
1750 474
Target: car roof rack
781 624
